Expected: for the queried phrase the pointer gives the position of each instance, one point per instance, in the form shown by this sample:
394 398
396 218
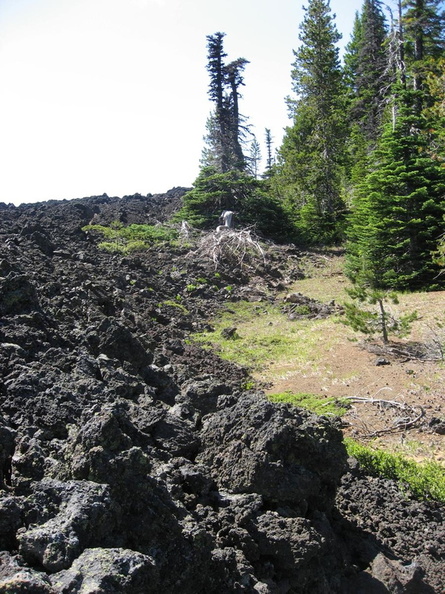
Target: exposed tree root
230 248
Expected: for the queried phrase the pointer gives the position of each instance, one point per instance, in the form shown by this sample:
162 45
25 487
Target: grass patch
425 480
324 281
264 336
312 402
175 304
132 238
413 448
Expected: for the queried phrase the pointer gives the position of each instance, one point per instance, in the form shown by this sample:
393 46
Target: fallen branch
410 351
398 424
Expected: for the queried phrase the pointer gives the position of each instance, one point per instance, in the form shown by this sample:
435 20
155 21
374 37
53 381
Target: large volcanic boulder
288 456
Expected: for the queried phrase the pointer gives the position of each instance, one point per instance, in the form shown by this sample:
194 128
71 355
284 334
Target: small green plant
112 247
228 288
176 304
191 287
361 319
301 310
312 402
425 481
116 224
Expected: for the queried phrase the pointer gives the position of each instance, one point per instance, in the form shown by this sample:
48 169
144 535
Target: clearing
327 359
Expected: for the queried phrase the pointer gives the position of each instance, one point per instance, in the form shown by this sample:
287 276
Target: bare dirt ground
413 422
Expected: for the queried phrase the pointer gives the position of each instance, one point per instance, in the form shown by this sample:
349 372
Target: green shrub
132 238
112 246
380 321
301 310
238 191
425 480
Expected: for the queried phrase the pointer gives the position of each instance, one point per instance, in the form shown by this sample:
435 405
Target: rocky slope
134 462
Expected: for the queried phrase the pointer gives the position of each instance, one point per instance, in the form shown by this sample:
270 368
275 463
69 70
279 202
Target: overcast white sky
110 96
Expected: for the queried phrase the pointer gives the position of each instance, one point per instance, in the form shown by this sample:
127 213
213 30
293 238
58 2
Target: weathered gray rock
76 515
202 394
17 295
109 571
395 576
294 550
7 444
16 578
11 518
118 342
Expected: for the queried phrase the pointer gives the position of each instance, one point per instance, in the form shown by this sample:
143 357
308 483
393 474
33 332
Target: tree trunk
383 321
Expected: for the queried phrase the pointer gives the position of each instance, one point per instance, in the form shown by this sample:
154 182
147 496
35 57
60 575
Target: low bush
425 480
132 238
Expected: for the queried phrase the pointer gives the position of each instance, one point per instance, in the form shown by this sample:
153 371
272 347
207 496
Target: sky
110 96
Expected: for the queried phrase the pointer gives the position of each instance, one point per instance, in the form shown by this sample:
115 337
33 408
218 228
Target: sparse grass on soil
327 360
267 342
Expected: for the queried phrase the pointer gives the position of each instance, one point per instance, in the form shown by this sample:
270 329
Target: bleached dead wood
227 246
412 415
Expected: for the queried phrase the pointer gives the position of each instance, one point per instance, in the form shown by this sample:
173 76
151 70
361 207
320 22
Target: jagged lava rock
132 461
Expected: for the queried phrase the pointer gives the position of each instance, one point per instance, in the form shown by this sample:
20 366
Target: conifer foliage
367 73
397 218
397 214
311 158
225 125
228 179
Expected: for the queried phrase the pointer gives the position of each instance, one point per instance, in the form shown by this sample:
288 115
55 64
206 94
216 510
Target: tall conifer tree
366 68
397 217
423 24
225 181
311 157
224 126
398 210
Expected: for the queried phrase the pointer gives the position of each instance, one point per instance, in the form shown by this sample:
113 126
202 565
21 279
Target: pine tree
211 156
270 159
424 37
397 215
236 129
398 208
310 162
254 160
239 192
380 321
436 146
227 179
225 125
218 124
435 111
366 70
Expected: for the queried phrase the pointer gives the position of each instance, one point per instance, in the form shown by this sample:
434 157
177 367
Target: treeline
363 163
